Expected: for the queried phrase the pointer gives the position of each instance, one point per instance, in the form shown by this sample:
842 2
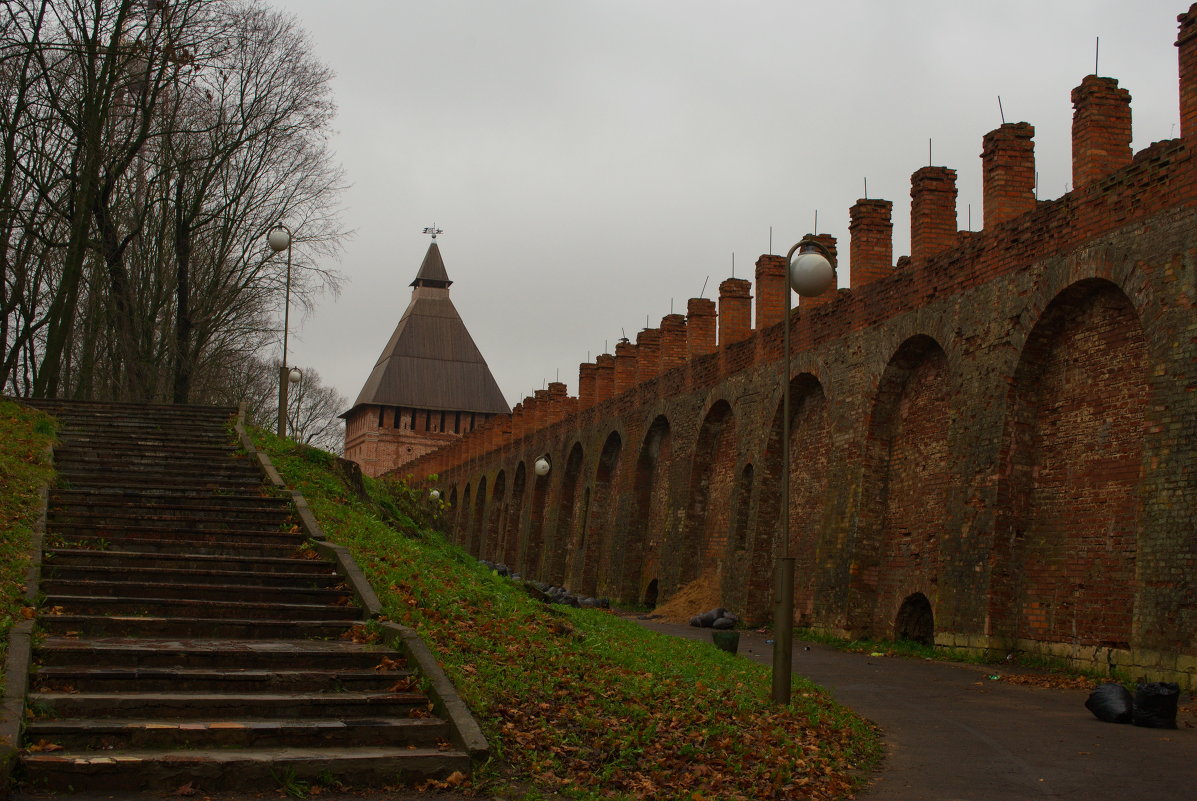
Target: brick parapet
604 381
1159 177
648 354
1008 172
700 327
1101 130
770 290
625 366
871 248
932 212
673 341
587 376
735 310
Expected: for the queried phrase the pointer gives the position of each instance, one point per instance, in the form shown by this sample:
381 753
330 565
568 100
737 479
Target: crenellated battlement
1110 188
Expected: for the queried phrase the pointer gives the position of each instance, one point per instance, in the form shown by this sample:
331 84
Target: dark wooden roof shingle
431 361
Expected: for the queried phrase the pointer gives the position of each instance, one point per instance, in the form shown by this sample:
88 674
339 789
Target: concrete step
201 706
102 735
187 638
115 679
164 543
160 499
160 539
244 593
190 608
192 628
150 516
125 573
237 769
281 654
129 557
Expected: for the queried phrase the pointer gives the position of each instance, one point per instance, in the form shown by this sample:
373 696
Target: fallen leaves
1050 681
358 633
44 746
388 663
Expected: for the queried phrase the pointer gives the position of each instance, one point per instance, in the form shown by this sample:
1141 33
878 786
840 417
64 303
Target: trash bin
726 640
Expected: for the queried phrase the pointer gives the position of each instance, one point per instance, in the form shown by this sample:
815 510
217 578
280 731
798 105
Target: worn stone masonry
994 439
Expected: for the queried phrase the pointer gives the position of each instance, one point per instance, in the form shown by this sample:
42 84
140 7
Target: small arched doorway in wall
599 511
915 620
1066 537
650 514
712 476
511 530
454 512
568 516
650 594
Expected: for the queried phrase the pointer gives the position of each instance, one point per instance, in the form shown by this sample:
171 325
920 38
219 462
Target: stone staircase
189 636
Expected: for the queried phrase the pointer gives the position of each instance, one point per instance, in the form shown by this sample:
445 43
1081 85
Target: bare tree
313 408
149 147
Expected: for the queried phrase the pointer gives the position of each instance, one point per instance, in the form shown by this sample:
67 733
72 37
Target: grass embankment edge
580 703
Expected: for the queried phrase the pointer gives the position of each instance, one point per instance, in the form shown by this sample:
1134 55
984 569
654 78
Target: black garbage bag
1155 705
709 617
723 623
1111 702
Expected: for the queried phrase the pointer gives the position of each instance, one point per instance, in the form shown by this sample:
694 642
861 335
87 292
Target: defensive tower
429 386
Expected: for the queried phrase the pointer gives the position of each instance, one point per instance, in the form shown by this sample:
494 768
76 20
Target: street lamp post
809 271
279 239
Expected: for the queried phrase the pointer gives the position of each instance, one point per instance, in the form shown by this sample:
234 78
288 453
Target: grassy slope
583 703
24 437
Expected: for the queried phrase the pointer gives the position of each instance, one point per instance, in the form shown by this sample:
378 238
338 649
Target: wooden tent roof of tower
431 361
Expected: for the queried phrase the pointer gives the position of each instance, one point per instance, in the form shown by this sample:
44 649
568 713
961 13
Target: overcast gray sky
592 161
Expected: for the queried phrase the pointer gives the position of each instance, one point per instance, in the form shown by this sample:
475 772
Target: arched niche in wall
645 533
712 475
908 482
478 519
569 514
1066 535
515 512
598 519
810 450
490 544
533 561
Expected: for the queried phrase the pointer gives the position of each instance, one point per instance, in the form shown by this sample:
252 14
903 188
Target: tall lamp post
279 239
810 272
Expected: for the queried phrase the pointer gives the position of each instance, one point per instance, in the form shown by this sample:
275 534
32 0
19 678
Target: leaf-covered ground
25 435
582 703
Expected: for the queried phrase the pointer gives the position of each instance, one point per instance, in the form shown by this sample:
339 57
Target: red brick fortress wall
1003 424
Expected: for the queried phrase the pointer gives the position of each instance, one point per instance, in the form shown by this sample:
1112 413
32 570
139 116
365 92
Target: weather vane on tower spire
433 230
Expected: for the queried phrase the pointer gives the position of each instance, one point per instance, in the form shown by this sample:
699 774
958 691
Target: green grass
24 470
582 703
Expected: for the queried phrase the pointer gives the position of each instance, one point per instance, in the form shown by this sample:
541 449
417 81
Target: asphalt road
953 734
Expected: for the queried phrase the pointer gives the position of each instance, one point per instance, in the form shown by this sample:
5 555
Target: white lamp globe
294 375
435 495
278 239
542 466
811 273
